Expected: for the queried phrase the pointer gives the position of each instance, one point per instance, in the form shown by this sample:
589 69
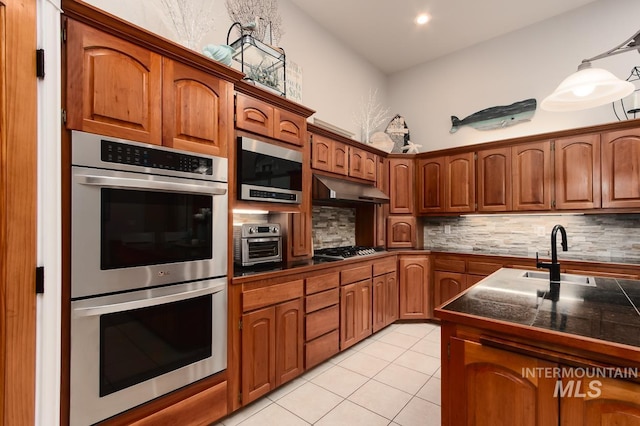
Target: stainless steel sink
564 278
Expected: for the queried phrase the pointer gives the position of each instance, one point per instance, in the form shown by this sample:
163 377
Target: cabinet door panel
401 186
370 166
379 302
460 183
532 176
301 224
254 115
363 309
391 306
196 110
577 172
289 340
340 159
447 285
621 169
289 127
401 232
431 186
414 288
494 180
258 353
322 153
114 88
357 158
347 316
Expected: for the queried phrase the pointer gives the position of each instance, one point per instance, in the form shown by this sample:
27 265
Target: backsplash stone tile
605 237
333 226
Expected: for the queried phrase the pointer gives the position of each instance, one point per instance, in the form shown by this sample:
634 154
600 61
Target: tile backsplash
595 236
333 226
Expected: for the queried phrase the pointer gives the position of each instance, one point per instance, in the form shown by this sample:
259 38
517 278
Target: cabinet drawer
322 300
482 268
261 297
321 349
321 322
384 266
450 265
352 275
323 282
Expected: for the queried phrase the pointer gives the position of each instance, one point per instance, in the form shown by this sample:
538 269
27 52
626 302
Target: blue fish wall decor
497 117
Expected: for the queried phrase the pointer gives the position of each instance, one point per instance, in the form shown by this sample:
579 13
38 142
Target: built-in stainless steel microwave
268 172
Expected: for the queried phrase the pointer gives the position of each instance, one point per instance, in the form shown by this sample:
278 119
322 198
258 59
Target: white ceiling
384 32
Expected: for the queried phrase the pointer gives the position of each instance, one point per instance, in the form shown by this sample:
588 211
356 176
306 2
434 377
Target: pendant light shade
592 87
587 88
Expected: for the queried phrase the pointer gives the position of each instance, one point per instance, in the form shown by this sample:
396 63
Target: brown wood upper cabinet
494 180
577 172
621 169
532 176
116 88
401 185
431 186
329 155
362 164
264 119
460 183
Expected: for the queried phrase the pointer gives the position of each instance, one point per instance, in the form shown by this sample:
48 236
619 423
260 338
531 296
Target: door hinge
553 146
553 204
475 155
64 116
240 325
63 33
39 279
40 63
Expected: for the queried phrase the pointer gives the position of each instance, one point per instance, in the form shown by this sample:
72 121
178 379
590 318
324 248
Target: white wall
335 82
528 63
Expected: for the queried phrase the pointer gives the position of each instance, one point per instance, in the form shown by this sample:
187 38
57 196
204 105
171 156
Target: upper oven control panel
121 153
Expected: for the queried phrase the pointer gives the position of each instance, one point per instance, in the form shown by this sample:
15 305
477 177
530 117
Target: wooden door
289 340
370 166
381 211
340 158
289 127
401 186
18 212
379 302
447 285
491 387
197 110
599 401
348 320
391 299
532 176
494 180
364 311
254 115
114 88
414 287
401 232
258 353
621 169
460 183
357 158
301 234
321 153
431 186
577 172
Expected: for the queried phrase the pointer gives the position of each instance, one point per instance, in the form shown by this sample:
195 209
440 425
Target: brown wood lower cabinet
272 341
385 300
447 285
322 318
414 288
355 312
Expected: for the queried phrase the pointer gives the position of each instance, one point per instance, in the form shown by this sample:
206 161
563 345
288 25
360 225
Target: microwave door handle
102 309
119 182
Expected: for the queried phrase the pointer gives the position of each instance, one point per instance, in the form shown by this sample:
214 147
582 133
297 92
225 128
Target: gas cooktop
344 252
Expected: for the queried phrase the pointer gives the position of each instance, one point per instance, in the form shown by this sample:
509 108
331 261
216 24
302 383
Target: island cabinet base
491 378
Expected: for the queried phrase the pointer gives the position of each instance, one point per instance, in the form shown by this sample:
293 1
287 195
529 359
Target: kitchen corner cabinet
532 176
414 287
264 119
401 181
272 337
329 155
355 305
494 180
577 172
621 169
402 232
447 285
116 88
431 186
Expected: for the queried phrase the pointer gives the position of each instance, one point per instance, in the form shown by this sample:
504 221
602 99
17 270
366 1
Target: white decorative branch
371 116
265 15
191 19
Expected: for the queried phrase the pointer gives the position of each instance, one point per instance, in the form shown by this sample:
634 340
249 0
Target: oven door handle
262 239
102 309
119 182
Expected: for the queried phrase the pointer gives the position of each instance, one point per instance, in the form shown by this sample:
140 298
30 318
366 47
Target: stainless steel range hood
328 189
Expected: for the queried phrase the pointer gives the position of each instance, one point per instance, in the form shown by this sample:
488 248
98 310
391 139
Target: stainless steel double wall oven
148 273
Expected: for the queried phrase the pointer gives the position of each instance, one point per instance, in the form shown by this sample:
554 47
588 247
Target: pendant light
591 87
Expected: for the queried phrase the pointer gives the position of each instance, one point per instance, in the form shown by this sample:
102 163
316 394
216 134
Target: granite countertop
607 310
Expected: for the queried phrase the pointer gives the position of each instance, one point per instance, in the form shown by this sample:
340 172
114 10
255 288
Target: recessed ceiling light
422 19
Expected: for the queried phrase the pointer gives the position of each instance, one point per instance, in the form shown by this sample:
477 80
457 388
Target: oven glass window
144 343
271 172
261 249
150 228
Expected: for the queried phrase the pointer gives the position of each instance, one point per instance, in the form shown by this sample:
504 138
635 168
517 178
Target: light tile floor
391 378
